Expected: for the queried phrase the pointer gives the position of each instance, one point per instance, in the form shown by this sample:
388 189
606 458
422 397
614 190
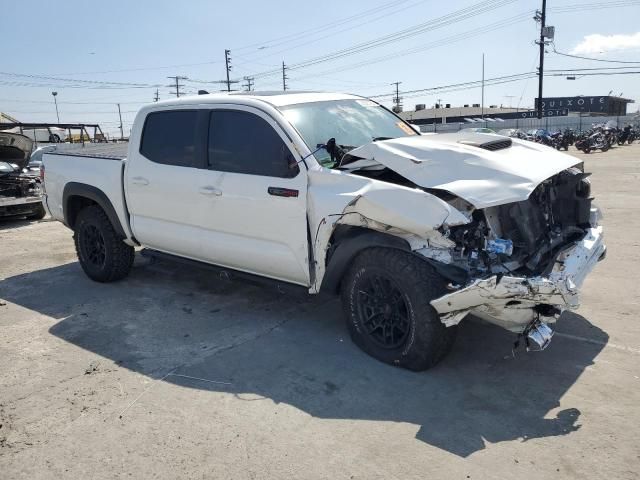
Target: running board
225 273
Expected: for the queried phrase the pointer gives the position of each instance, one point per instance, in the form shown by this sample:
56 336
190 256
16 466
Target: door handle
139 181
211 191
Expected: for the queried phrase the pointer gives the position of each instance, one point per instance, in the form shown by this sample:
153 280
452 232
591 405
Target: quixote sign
576 104
563 112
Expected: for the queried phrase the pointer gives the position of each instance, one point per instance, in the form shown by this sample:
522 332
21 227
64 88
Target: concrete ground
174 373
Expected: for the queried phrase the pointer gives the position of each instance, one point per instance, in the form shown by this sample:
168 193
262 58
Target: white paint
481 177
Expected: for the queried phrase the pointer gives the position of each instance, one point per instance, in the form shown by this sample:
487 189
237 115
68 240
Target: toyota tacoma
337 194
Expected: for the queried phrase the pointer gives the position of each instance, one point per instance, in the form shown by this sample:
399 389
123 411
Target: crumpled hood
483 178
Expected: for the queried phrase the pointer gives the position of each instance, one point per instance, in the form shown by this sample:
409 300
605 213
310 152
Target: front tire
386 295
103 255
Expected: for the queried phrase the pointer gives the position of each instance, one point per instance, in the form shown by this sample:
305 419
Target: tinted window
171 138
241 142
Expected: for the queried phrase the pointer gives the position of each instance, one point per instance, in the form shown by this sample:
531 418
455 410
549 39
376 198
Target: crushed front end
20 186
524 262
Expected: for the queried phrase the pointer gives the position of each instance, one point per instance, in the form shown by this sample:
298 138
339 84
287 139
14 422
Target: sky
100 54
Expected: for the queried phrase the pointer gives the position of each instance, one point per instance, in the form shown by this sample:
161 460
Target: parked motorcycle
559 141
594 139
626 135
569 135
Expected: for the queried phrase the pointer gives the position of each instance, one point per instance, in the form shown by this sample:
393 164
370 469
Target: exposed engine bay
524 237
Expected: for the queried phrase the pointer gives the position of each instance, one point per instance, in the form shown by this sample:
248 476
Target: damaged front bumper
514 302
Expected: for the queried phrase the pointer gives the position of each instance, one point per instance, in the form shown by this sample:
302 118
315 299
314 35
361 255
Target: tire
103 255
408 332
38 213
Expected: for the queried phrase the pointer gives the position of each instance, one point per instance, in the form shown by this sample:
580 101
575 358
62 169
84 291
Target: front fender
348 248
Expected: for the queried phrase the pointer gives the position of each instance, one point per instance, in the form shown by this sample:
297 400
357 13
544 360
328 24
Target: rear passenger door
162 180
256 216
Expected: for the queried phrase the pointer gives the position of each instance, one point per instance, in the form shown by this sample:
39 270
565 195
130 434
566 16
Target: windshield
351 122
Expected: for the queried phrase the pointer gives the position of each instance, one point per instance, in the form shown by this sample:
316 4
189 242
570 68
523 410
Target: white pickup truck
337 194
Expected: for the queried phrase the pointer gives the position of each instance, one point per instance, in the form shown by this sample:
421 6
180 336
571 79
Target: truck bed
108 151
73 167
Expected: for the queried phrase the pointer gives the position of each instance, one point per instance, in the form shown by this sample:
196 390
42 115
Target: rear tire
386 295
103 255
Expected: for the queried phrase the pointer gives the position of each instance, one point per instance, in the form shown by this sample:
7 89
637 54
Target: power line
75 81
59 85
308 41
140 69
440 22
458 37
490 82
323 27
515 77
13 100
591 58
438 43
580 7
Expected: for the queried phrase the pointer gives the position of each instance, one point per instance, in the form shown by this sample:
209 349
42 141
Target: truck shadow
7 223
181 325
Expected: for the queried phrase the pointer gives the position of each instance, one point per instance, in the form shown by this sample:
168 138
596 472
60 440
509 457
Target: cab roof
275 98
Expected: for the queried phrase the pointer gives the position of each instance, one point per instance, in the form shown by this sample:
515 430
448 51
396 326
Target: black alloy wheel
383 311
92 246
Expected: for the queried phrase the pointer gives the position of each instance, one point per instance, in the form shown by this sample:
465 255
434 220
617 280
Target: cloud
597 43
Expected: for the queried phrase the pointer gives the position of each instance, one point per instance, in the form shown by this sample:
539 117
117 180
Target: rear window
171 138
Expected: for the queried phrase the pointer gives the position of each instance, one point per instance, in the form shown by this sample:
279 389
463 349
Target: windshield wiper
376 139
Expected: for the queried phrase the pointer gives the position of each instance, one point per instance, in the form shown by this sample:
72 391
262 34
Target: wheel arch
346 243
77 196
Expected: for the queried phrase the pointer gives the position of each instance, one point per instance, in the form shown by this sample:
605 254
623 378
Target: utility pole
284 77
177 85
397 99
157 96
55 94
546 32
121 131
483 87
227 61
249 84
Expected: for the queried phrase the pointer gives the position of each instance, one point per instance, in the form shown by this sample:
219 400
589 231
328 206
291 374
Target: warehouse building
593 106
447 114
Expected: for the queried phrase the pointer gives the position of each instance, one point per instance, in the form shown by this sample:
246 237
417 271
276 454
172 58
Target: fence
548 123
